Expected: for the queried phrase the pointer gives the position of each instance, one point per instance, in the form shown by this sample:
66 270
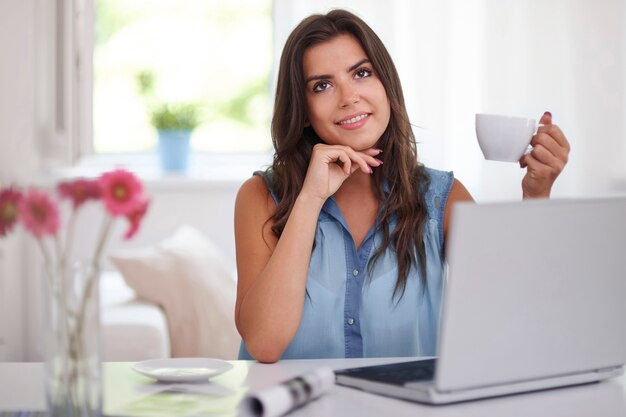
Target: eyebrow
326 76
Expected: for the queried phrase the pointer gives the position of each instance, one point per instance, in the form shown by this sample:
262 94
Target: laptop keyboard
395 373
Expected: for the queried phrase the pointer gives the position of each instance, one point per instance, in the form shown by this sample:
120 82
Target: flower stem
93 272
69 242
104 235
48 267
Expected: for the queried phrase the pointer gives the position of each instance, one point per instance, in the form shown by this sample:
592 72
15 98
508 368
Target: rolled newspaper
283 398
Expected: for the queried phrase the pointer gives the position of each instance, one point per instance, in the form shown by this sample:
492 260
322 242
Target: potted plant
174 123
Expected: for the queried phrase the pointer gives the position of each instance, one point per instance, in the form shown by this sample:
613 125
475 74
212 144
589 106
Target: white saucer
182 369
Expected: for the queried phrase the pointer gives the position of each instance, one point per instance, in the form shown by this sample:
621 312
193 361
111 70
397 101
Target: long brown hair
293 141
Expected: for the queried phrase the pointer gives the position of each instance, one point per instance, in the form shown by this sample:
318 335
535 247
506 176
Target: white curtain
460 57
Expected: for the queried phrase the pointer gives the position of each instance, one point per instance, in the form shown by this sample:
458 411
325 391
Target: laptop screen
535 289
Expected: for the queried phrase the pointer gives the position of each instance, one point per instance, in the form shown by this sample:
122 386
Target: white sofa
132 329
136 329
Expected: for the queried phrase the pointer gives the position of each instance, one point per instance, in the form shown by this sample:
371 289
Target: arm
272 271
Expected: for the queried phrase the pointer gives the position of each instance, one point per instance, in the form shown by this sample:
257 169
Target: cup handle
537 127
528 150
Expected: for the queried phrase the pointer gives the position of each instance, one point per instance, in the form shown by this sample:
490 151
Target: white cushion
187 275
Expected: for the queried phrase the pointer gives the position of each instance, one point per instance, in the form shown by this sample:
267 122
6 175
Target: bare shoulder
458 193
253 188
254 206
254 197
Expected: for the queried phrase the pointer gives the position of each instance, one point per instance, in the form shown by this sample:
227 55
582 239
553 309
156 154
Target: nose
349 95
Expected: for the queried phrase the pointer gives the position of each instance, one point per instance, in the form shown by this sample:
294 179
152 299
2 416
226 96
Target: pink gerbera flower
39 213
9 201
79 191
135 218
122 192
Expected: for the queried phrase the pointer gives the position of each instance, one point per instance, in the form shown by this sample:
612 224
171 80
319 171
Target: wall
17 106
18 156
568 57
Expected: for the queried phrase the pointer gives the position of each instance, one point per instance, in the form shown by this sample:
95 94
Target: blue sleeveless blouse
350 311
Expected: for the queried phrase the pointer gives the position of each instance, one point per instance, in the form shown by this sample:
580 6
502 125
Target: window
212 54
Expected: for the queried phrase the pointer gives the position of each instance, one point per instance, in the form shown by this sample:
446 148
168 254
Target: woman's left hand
546 160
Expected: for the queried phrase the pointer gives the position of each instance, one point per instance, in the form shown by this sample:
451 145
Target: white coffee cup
504 138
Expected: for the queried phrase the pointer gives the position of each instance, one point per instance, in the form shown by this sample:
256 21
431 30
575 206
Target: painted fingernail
548 113
378 160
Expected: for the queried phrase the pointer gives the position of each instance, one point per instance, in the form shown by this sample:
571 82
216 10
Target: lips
354 121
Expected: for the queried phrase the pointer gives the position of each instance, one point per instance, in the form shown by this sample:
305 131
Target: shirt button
351 321
355 272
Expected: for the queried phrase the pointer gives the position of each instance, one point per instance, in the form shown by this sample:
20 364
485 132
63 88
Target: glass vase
72 354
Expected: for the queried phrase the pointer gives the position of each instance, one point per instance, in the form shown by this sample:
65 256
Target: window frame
65 38
82 78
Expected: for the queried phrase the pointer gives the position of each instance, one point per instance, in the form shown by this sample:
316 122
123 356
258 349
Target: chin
356 143
364 145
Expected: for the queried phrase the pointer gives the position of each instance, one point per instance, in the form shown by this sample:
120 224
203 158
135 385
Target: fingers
353 161
542 162
550 146
370 158
551 130
546 160
537 182
546 149
546 118
523 161
345 163
554 133
347 158
548 153
372 151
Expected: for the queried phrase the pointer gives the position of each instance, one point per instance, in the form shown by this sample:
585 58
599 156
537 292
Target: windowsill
212 170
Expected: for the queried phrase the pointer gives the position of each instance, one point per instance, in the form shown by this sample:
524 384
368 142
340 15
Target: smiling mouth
354 119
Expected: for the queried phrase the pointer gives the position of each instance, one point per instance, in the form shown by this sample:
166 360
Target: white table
21 388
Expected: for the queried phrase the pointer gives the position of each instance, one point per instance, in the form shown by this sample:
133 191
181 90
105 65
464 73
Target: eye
321 86
363 73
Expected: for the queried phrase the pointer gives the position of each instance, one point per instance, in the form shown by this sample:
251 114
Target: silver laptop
535 298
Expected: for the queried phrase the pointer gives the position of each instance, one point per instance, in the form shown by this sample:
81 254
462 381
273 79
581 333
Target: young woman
340 243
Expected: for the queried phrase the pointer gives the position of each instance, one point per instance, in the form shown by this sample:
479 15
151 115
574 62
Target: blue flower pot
174 149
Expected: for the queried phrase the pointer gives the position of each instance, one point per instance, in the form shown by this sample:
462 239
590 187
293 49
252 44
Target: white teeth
354 119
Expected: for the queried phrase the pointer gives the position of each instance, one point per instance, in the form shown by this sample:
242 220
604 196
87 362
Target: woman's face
347 103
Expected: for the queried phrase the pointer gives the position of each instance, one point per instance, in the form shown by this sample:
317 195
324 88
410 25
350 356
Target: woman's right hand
331 165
